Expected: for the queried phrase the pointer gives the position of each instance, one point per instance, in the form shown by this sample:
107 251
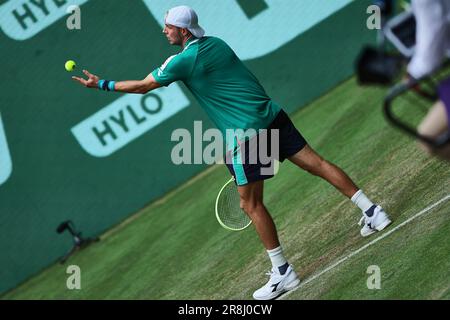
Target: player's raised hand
91 82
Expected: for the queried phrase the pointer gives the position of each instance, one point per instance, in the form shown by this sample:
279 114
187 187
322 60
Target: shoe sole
294 284
372 231
378 228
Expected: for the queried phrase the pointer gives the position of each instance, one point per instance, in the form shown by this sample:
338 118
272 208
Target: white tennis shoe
377 222
278 284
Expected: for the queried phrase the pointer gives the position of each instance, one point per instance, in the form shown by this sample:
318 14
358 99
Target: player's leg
293 146
282 277
373 215
309 160
252 203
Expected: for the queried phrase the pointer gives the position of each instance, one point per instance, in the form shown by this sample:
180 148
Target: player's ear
185 32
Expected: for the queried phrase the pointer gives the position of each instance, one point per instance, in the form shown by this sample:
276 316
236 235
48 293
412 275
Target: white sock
360 199
276 257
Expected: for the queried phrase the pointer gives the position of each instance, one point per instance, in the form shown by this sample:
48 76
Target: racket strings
229 210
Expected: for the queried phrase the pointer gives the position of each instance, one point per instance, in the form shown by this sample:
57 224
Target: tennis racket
228 210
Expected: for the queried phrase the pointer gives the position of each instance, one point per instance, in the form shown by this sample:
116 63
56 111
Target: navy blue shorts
253 160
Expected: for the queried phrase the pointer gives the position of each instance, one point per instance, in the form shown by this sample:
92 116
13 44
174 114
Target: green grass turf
175 248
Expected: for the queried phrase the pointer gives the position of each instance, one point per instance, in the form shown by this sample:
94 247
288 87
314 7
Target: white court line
334 265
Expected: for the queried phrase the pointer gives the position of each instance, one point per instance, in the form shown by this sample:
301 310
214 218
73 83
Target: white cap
185 17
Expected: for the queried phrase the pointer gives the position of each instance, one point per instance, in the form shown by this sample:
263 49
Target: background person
432 47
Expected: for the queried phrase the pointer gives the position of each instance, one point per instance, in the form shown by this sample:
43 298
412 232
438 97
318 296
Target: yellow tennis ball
70 65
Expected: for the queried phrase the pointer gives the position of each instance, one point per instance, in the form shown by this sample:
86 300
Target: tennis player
234 99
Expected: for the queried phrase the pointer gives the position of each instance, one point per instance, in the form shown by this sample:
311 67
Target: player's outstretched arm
130 86
137 86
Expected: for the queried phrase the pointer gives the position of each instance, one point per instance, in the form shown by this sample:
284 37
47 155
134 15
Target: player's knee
316 167
250 206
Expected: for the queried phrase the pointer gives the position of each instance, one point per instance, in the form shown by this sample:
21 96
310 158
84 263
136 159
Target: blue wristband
111 85
106 85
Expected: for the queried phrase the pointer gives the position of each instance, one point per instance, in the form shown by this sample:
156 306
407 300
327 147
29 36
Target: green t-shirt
230 94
